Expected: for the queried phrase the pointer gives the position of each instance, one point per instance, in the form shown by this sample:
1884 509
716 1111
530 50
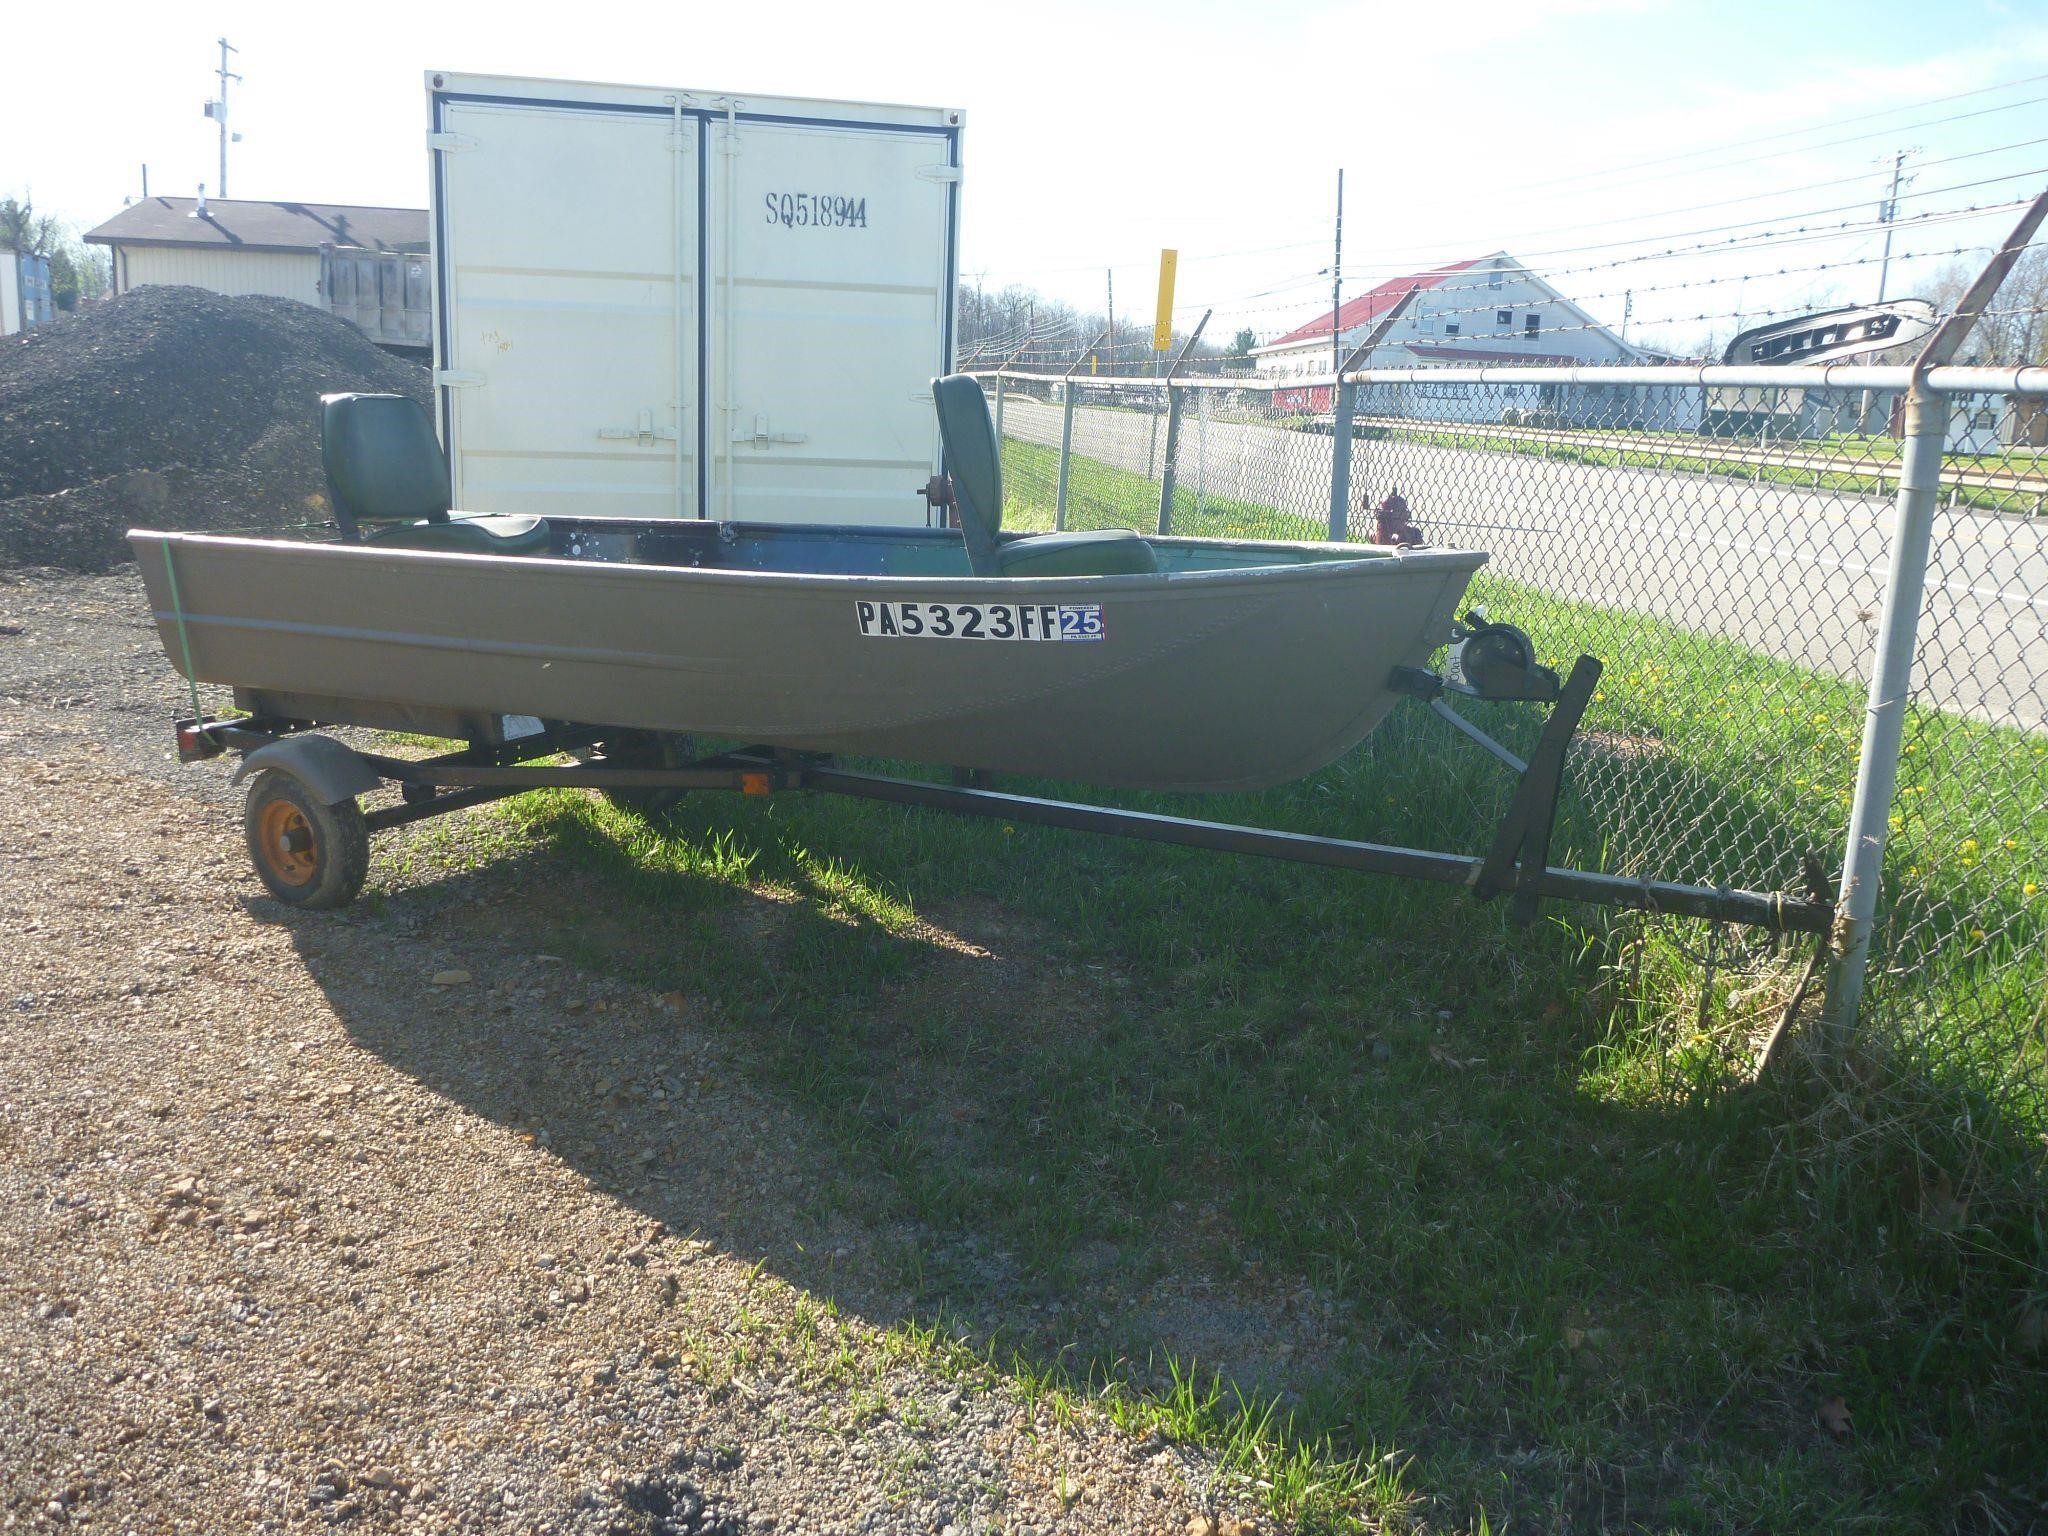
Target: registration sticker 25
979 621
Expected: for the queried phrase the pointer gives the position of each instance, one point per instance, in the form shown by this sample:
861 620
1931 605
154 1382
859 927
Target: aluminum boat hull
1223 672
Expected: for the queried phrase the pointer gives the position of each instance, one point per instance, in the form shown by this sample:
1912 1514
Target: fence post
999 413
1173 405
1884 721
1152 448
1059 502
1342 409
1340 463
1173 408
1898 632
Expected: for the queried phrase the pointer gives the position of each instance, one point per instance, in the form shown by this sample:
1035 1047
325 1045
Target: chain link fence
1725 550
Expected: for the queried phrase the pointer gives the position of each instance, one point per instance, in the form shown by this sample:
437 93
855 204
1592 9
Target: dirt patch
296 1238
173 407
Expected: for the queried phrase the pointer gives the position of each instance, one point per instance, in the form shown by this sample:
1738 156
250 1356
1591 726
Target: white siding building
237 248
1488 310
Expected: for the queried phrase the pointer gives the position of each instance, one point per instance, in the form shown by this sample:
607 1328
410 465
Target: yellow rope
184 639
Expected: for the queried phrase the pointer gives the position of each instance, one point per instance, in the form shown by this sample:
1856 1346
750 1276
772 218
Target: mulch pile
171 408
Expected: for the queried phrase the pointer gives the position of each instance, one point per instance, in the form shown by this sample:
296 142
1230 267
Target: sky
1602 141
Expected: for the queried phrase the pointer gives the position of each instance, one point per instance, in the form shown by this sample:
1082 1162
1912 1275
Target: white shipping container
654 302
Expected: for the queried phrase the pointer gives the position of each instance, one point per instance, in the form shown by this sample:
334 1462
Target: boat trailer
308 836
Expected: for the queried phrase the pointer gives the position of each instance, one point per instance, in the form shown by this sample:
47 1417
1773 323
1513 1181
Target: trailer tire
307 853
647 749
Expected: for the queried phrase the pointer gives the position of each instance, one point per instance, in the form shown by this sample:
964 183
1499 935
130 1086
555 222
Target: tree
76 270
23 229
2011 330
1242 343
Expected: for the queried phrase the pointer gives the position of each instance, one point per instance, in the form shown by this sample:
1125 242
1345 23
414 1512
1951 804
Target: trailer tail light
195 743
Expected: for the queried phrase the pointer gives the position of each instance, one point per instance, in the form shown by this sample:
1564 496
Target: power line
1855 138
1393 268
1307 244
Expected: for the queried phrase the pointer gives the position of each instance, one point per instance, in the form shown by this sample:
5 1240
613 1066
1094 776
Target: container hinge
457 378
451 141
939 172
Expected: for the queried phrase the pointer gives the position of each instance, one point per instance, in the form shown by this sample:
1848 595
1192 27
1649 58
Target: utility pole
1110 274
1887 211
1337 283
217 109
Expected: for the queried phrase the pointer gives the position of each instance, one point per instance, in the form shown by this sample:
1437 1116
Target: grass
1709 762
1560 1274
1100 495
1542 1261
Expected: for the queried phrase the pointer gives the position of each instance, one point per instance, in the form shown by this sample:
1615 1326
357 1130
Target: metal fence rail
1723 538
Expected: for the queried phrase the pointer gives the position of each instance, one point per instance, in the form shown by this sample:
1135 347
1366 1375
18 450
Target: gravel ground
381 1218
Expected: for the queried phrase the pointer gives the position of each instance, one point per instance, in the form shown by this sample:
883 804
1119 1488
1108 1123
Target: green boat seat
388 481
1106 552
481 535
974 461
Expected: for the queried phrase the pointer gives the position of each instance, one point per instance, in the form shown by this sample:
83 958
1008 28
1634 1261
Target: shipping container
25 298
658 302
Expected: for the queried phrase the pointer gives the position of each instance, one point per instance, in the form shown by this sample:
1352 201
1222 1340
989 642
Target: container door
567 242
824 342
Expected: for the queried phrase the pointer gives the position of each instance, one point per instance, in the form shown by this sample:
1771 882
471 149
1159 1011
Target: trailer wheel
307 853
647 749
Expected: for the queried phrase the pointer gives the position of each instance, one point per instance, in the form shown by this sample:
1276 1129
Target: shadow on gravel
1101 1109
973 1118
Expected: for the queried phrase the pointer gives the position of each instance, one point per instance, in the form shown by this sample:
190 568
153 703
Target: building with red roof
1490 309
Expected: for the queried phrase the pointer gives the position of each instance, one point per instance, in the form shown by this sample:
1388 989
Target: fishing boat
1100 657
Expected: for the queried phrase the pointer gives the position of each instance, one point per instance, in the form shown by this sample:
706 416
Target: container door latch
645 431
761 437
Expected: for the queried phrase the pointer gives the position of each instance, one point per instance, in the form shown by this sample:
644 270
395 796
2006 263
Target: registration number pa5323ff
979 621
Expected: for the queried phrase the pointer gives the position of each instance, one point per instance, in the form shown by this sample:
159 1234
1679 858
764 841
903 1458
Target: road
1790 572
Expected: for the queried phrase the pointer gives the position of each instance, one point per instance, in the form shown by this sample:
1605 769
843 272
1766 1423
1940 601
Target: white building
1488 310
237 247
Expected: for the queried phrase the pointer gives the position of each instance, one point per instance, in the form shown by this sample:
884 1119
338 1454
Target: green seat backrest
382 460
975 463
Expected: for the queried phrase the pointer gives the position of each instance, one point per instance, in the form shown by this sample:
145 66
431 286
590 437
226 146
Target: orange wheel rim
285 839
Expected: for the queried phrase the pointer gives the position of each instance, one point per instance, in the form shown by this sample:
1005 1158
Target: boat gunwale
1384 560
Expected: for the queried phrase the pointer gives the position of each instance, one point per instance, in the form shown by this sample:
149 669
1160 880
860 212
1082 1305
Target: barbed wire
1795 235
1064 341
1867 222
1897 258
1751 197
1799 235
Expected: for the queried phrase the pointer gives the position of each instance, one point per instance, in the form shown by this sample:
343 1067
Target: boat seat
1104 552
974 461
486 534
388 481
